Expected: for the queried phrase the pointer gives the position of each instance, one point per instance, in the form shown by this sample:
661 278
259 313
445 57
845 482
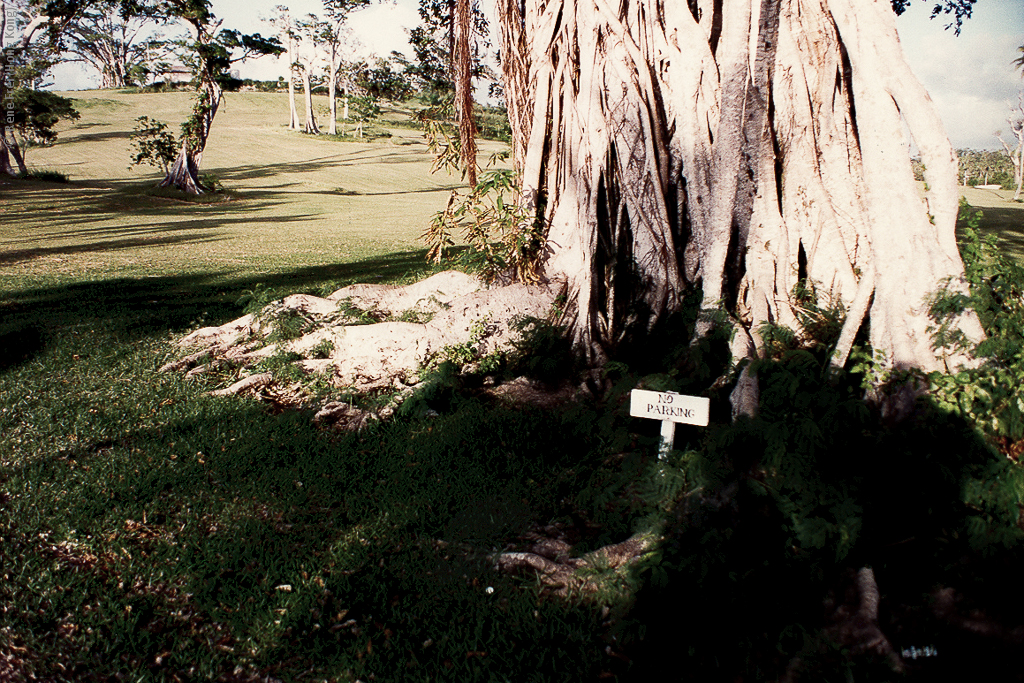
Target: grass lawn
294 201
149 530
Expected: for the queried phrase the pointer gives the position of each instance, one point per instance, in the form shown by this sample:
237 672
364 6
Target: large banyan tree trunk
737 146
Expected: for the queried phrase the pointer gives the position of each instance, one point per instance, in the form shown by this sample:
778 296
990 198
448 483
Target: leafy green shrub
153 144
465 352
990 396
288 324
502 234
764 517
211 183
542 351
322 350
34 113
256 298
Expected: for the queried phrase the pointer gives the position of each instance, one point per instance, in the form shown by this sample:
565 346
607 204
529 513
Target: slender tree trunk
463 61
332 96
1016 121
293 113
10 150
311 126
736 146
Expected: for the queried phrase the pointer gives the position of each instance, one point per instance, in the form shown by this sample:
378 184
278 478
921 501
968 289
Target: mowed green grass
294 200
1001 216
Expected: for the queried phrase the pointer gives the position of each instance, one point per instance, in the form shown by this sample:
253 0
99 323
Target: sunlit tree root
336 339
556 568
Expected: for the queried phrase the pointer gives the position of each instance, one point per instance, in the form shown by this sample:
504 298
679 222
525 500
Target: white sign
669 406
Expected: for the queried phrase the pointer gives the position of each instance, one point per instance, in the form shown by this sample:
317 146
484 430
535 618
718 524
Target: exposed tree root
855 619
551 559
364 338
947 607
249 383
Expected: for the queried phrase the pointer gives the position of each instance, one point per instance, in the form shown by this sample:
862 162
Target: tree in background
335 36
29 35
980 167
668 149
121 49
1016 152
209 52
36 112
306 58
434 41
282 22
381 80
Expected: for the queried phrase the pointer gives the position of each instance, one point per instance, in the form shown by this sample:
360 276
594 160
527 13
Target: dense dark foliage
772 516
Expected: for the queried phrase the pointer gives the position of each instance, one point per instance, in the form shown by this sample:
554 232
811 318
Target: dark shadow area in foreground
774 517
137 307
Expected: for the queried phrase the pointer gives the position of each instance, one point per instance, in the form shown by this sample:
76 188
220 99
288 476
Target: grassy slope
297 201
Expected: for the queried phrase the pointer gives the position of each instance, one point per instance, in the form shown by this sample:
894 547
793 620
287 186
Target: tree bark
184 172
738 147
463 62
310 126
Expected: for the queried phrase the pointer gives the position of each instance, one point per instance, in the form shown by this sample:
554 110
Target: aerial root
856 626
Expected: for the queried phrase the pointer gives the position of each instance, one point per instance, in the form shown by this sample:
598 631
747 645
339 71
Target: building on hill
173 74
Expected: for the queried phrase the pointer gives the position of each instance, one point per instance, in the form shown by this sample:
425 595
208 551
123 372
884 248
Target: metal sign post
670 408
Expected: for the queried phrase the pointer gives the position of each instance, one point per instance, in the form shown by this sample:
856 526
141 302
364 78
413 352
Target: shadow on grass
359 157
18 255
138 307
95 137
223 537
143 220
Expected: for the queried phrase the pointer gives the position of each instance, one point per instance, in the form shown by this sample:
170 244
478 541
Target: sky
970 77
